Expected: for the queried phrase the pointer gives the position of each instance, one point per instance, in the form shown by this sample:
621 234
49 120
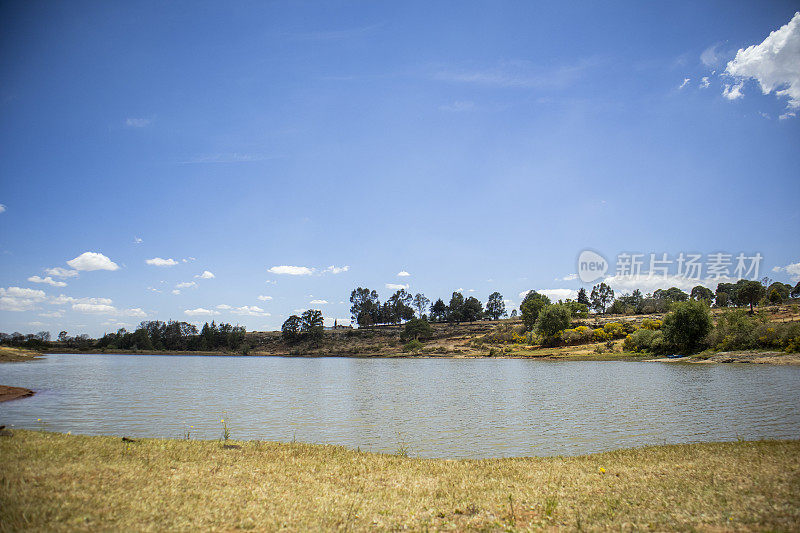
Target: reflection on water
439 407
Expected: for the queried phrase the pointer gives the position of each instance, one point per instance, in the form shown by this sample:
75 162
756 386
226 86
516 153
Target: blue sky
474 145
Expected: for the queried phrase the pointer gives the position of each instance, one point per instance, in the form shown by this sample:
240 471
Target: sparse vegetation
58 482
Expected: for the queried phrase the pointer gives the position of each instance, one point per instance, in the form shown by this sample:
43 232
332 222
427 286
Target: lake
436 407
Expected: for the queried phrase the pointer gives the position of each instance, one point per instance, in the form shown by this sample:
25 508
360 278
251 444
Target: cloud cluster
89 261
774 64
403 274
264 298
205 275
200 311
48 280
20 299
159 262
792 269
396 286
290 270
97 306
61 272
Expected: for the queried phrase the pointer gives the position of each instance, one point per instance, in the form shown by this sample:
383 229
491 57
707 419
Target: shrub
600 335
644 340
552 320
417 328
735 330
686 326
413 346
614 330
651 324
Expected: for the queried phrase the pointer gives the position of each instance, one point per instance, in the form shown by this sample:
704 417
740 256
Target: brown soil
12 393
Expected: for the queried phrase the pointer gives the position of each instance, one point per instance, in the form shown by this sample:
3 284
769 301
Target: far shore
558 354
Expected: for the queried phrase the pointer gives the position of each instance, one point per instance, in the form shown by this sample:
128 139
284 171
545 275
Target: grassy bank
13 355
62 482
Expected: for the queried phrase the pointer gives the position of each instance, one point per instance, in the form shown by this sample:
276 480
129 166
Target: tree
63 336
513 313
748 292
795 293
290 331
456 307
552 319
576 309
686 326
722 299
399 307
783 291
673 294
530 307
472 310
601 297
417 328
366 307
582 297
728 289
700 292
495 307
438 311
421 303
311 324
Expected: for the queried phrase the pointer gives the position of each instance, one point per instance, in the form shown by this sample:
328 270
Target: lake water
436 407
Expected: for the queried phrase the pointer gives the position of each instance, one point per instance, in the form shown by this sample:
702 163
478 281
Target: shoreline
231 485
739 356
8 393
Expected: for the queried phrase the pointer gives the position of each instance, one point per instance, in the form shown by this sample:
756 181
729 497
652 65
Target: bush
686 326
417 328
413 346
615 329
599 335
651 324
552 320
644 340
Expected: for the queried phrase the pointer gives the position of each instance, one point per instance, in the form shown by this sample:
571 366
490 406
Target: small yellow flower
223 420
602 470
38 419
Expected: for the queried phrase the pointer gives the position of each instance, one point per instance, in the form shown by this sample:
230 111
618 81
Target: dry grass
10 355
60 482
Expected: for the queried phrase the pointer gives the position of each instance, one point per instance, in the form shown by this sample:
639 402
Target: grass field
62 482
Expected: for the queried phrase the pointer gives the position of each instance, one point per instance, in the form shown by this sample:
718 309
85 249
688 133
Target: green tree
399 307
311 324
686 326
673 294
700 292
582 297
748 292
421 303
552 319
417 328
783 291
729 289
472 310
456 308
795 293
602 296
577 309
290 331
495 307
438 311
531 306
365 307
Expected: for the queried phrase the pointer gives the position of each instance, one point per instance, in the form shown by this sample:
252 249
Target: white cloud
20 299
685 82
396 286
157 261
61 272
403 274
200 312
224 307
176 292
264 298
205 275
792 269
710 56
153 289
249 310
48 280
137 240
291 270
135 311
733 92
2 208
704 83
97 308
89 261
786 115
336 270
36 323
318 302
559 294
648 284
186 285
52 314
775 64
137 122
569 277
